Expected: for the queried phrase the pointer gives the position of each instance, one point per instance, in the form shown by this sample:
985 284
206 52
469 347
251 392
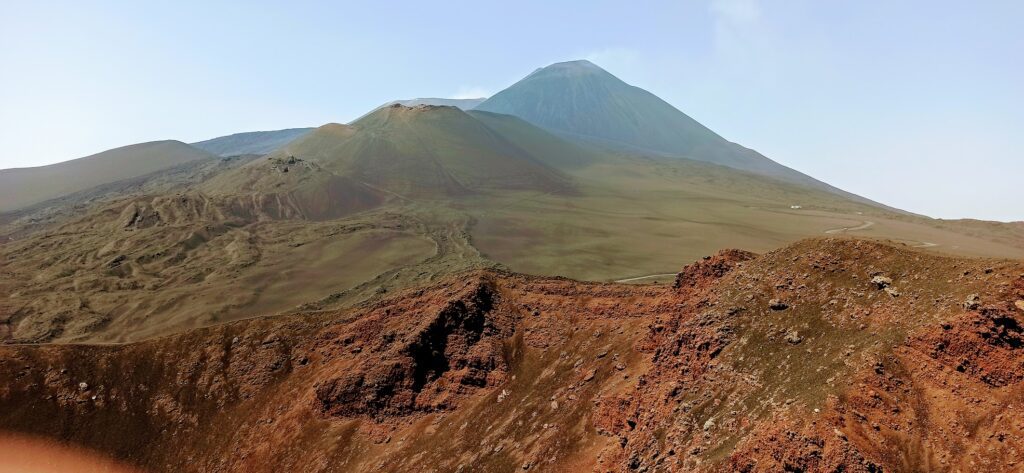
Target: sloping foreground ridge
828 355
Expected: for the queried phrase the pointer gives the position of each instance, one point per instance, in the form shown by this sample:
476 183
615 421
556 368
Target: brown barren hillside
23 187
827 355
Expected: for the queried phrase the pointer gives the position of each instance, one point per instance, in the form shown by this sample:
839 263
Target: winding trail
862 226
649 276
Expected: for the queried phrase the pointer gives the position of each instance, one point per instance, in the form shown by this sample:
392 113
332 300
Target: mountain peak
463 104
580 100
400 107
403 112
577 63
579 67
424 150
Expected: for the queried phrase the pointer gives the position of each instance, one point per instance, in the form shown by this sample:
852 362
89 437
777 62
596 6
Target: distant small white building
794 207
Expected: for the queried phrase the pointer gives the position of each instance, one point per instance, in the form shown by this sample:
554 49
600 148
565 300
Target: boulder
777 304
881 281
972 302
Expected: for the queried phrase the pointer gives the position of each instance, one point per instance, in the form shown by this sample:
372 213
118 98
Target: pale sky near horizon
916 104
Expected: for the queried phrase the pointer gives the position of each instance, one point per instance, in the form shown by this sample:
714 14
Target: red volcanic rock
492 371
438 360
987 345
710 268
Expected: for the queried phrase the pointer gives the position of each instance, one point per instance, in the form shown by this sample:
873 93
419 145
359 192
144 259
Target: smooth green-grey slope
23 187
580 100
424 151
253 142
547 147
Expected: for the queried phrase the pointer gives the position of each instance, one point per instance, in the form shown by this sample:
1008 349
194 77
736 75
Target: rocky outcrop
444 357
709 268
492 371
987 345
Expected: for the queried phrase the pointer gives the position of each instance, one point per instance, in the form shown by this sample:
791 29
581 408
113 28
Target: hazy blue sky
918 104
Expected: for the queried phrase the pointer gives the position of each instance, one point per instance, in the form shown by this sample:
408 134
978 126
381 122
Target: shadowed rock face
494 371
452 354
